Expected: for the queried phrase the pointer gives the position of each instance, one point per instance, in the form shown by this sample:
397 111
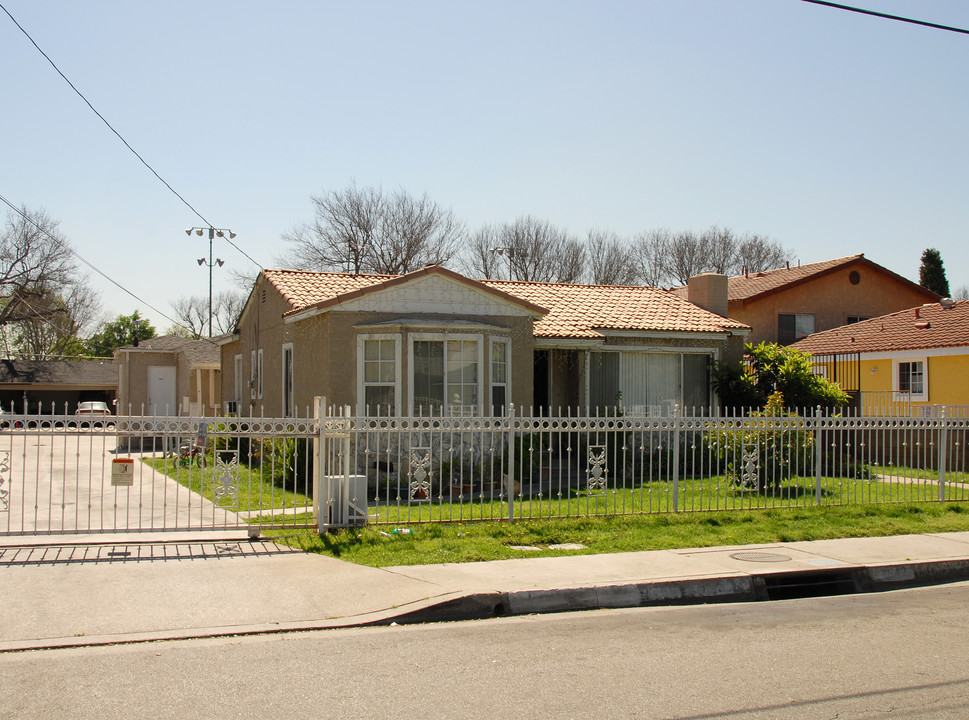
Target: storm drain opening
788 586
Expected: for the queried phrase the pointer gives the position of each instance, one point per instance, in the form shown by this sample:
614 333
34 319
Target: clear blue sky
831 132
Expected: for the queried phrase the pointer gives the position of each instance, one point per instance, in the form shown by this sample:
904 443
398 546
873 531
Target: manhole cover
753 556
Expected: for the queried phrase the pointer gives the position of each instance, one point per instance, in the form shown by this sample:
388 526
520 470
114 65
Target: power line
119 136
862 11
86 262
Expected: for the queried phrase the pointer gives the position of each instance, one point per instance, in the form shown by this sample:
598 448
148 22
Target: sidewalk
94 590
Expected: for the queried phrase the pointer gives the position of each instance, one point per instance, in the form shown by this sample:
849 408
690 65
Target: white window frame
238 381
362 384
901 395
444 338
252 375
259 374
288 377
499 340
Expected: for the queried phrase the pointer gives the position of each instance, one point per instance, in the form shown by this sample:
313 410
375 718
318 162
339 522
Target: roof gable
921 328
432 289
749 287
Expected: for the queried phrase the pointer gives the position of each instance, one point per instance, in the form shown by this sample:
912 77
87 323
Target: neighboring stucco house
55 386
434 341
790 303
169 375
919 356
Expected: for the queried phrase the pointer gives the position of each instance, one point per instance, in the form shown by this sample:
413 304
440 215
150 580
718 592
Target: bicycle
192 454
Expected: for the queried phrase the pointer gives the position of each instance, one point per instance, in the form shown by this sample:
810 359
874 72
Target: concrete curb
459 606
695 591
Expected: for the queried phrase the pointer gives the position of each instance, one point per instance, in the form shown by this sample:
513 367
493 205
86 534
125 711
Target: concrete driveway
72 480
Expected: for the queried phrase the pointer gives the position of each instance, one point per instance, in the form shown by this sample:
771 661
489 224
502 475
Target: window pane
428 376
498 399
804 326
917 379
634 396
696 382
380 399
498 362
603 379
663 381
904 377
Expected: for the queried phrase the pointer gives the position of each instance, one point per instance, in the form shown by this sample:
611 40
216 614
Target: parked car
93 409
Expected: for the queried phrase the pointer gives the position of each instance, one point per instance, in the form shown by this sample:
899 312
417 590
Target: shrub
766 450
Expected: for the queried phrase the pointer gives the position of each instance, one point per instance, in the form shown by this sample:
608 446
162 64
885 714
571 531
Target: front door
161 390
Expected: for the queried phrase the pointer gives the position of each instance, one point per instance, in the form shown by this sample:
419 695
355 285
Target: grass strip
431 543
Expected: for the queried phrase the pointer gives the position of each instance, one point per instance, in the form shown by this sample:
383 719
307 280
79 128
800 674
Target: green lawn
429 543
256 491
617 520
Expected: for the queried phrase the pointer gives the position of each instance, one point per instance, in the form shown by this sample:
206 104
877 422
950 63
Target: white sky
829 131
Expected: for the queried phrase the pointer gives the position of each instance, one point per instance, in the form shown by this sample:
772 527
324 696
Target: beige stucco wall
831 299
261 327
198 391
325 348
341 330
133 379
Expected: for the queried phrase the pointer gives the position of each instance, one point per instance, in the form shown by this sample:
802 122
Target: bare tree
361 230
482 258
650 250
612 259
756 253
193 312
667 258
44 299
527 249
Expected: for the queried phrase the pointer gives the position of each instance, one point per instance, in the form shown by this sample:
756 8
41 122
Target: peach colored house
790 303
434 341
905 360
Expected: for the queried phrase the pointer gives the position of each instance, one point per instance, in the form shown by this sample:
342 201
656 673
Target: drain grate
788 586
754 556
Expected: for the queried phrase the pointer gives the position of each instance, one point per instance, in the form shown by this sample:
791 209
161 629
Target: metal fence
64 474
404 470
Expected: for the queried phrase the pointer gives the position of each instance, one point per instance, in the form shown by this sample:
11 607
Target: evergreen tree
932 273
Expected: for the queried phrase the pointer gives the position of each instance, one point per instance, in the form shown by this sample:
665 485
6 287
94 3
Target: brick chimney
709 291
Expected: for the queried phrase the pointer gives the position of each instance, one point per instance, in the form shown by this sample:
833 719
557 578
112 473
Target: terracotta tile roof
301 289
577 311
569 311
743 288
922 328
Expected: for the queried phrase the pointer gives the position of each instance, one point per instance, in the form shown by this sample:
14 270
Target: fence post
943 441
818 454
319 452
676 458
510 478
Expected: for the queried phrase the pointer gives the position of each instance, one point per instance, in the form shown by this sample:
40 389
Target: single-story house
169 375
434 341
916 357
55 386
789 303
